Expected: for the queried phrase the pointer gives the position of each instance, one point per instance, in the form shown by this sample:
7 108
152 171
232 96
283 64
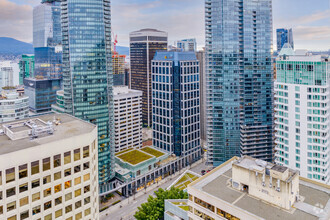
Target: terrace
134 157
185 179
153 152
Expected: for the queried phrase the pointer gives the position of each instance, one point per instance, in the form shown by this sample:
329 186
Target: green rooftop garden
152 151
185 180
184 207
123 151
134 157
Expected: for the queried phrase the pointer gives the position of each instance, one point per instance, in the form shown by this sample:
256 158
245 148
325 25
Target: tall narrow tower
239 79
87 72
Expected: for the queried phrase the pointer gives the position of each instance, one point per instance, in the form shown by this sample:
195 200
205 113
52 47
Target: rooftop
185 179
134 156
175 56
123 90
153 151
67 127
314 204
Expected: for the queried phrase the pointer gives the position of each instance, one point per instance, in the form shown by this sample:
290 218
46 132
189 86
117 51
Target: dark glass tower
176 103
239 79
143 46
87 72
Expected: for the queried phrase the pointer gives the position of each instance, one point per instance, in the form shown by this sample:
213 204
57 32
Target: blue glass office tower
239 79
176 103
284 36
41 87
87 72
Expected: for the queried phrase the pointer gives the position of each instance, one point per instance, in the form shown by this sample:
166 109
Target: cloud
16 20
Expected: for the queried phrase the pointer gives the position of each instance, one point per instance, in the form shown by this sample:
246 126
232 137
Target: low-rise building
248 188
48 169
176 209
128 118
13 105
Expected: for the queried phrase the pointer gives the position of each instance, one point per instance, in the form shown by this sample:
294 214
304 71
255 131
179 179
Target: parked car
203 172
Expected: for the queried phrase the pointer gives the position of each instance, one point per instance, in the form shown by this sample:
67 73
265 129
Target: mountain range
11 46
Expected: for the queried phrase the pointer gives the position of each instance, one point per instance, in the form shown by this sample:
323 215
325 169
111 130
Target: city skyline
308 20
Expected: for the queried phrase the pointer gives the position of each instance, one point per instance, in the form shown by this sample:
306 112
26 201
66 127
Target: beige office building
48 169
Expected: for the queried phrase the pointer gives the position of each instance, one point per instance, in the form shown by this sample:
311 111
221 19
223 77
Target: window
58 188
68 196
76 154
57 175
87 200
46 179
22 171
86 165
57 160
68 209
10 192
77 169
86 189
25 215
67 172
67 184
24 201
67 157
87 211
35 183
47 192
77 193
11 206
46 164
77 180
12 218
36 196
47 205
78 216
0 178
1 209
24 187
48 217
86 177
10 175
86 152
58 213
77 205
34 167
0 195
36 210
58 201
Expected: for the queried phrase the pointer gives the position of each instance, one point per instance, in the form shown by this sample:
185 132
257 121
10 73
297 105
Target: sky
310 19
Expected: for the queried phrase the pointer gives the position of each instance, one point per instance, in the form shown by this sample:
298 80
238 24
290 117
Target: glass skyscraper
143 46
239 79
87 72
176 103
284 36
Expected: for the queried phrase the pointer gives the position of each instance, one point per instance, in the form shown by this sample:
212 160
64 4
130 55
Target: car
203 172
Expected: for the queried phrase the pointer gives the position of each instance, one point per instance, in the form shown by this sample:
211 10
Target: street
129 206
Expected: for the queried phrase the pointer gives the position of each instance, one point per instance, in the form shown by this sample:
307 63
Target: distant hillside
11 46
123 50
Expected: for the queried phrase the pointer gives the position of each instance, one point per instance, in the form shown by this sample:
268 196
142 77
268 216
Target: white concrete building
48 169
7 71
302 114
13 105
251 189
128 118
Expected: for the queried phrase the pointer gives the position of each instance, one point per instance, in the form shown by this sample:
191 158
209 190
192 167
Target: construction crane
115 42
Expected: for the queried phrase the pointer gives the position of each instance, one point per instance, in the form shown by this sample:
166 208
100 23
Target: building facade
239 79
58 178
143 46
302 122
176 103
41 93
6 74
284 36
87 72
13 105
118 64
202 91
128 118
187 45
257 190
26 68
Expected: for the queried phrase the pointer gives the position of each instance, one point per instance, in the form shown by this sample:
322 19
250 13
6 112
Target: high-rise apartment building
48 169
6 74
239 79
302 108
187 45
284 36
87 72
176 103
26 68
128 118
200 55
13 105
143 46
